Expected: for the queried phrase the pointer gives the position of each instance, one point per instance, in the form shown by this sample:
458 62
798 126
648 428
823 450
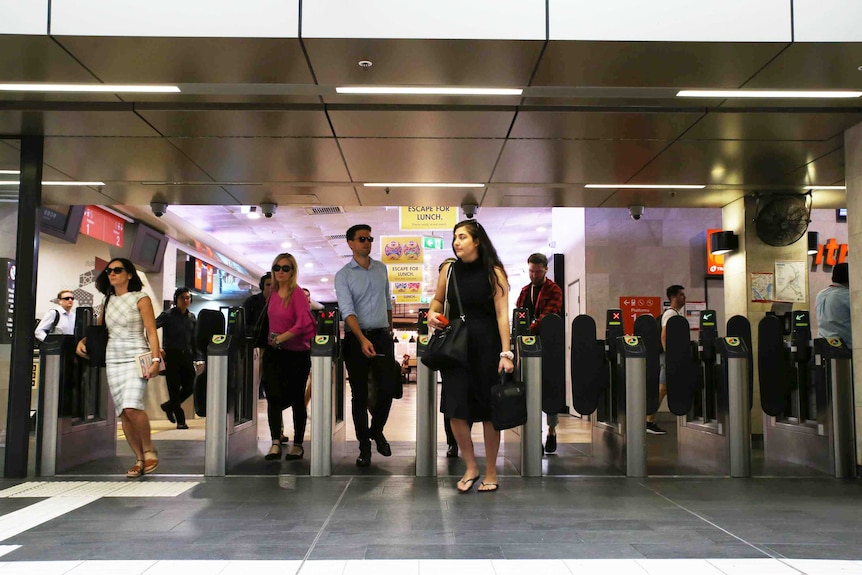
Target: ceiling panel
771 126
743 162
827 170
709 198
412 197
423 62
420 160
10 155
421 123
69 123
266 159
287 196
133 193
574 161
543 196
659 64
813 66
77 195
602 125
191 60
38 59
248 123
120 159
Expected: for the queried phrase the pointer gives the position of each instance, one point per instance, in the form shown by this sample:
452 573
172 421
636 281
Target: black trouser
180 375
285 374
358 368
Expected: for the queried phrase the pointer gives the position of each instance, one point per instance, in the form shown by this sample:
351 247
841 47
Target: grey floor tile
456 551
852 552
331 552
576 551
697 551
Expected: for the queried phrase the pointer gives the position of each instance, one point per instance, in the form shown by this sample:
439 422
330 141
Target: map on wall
790 281
762 286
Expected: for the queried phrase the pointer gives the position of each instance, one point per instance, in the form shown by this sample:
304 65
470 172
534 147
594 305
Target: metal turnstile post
322 416
49 410
426 414
836 357
530 355
733 353
633 354
215 444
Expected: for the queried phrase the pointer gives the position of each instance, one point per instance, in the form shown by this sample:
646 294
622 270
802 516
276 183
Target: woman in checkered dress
131 323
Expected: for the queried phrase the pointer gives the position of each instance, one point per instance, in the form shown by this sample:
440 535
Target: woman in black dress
466 396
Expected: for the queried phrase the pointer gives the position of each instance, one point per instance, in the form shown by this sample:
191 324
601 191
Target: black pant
285 374
358 368
180 376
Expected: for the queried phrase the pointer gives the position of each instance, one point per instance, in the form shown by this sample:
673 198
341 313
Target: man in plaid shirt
542 296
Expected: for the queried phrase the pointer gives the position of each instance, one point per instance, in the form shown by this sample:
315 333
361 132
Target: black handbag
97 344
447 347
508 403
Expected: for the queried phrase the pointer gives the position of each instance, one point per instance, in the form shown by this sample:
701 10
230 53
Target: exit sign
431 243
425 299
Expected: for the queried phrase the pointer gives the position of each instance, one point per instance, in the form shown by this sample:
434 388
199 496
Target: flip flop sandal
151 463
493 487
468 484
136 470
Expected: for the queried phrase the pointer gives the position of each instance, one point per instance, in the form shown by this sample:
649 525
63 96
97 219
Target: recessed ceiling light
253 215
648 186
423 185
51 183
768 94
541 229
324 280
13 172
309 264
825 188
111 88
428 91
286 245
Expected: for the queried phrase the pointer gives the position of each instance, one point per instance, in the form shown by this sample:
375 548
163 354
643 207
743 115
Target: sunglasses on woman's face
118 270
285 269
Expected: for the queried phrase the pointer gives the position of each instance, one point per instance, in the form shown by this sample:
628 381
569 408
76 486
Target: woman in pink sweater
287 360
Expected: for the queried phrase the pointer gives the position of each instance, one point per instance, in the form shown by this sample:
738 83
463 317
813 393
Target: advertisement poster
401 288
405 272
415 218
408 298
401 250
692 313
635 306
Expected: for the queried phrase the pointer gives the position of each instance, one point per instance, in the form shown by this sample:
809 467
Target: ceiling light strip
428 91
52 183
647 186
91 88
825 188
423 185
10 172
768 94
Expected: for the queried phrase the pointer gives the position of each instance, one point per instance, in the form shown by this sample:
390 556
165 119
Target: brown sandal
151 463
136 470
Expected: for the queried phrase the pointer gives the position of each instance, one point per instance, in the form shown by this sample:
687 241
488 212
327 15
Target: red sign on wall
99 224
635 306
714 264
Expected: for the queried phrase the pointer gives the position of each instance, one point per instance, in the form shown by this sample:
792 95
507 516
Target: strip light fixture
85 88
422 185
768 94
428 91
647 186
53 183
825 188
10 172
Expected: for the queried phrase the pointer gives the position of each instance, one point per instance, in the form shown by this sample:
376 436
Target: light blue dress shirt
833 313
364 293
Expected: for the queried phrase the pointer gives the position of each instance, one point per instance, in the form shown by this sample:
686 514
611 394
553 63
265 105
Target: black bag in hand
508 403
97 344
447 347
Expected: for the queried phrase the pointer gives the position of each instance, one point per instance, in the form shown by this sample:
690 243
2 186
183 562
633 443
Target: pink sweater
295 318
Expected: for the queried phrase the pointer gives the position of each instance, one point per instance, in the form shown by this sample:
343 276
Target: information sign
428 217
103 226
405 272
636 306
432 243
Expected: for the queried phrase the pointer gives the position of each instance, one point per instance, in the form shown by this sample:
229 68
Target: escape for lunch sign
428 217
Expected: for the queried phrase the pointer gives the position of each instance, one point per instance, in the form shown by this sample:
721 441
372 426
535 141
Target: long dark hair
487 253
135 283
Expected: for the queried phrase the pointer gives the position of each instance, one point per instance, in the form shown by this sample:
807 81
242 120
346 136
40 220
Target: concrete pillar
853 179
753 256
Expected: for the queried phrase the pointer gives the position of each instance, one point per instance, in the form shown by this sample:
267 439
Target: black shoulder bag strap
56 321
457 294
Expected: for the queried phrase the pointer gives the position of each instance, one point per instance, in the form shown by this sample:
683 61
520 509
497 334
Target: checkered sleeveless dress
125 341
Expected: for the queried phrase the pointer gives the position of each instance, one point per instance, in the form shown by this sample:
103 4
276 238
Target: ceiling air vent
337 237
324 210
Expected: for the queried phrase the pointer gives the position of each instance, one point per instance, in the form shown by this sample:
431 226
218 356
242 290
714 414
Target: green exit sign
431 243
425 299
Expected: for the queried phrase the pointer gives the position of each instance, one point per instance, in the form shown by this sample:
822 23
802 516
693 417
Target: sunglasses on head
117 270
70 298
286 269
363 239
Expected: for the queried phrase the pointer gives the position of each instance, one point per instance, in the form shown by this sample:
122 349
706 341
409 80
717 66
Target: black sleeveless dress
466 392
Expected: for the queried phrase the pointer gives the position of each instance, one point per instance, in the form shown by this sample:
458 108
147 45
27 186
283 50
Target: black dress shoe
182 425
364 459
169 411
452 451
383 447
551 444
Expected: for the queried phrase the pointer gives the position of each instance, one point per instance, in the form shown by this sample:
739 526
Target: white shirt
66 325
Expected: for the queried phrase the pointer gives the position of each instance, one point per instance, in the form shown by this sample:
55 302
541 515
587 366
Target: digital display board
100 225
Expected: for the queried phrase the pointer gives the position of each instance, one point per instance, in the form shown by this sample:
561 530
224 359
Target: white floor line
21 520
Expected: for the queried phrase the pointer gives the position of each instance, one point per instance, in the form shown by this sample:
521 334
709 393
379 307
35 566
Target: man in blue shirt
833 307
362 288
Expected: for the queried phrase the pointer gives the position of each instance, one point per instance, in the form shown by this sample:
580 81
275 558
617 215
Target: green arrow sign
432 243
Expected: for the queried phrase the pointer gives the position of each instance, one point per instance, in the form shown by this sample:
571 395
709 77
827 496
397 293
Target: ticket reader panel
528 437
327 395
734 408
632 355
834 372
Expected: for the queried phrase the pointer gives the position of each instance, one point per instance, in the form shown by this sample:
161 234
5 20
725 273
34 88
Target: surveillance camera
159 208
636 212
268 209
470 210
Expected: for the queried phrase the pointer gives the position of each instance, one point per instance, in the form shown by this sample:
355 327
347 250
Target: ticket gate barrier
231 423
529 435
328 428
426 405
806 392
75 414
611 388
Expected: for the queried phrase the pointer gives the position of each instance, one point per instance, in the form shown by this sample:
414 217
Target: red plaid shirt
548 300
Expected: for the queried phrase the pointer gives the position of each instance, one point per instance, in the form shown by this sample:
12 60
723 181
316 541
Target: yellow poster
408 298
401 250
400 288
405 272
428 217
